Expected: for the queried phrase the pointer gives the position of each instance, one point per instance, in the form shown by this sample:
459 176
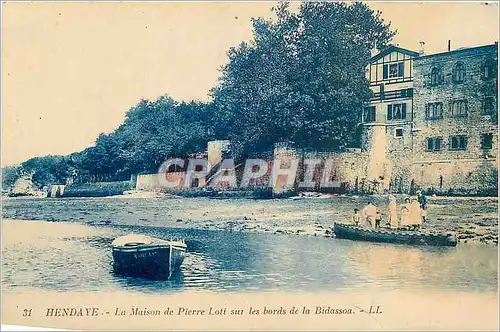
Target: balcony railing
392 95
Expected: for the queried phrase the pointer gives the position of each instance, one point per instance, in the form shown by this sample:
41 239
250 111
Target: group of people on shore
410 215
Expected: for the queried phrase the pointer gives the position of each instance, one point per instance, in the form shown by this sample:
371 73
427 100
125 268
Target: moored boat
144 256
352 232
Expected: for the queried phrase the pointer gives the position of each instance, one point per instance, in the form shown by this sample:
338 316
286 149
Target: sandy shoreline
473 219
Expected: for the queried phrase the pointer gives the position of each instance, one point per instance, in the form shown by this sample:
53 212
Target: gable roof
391 49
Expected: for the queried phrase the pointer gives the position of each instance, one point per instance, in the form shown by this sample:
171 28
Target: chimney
449 45
421 51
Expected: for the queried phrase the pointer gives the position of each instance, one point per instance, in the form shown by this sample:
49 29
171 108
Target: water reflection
147 285
380 263
399 266
79 259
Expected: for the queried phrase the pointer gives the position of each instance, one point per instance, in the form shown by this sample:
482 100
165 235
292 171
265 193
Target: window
434 143
398 132
433 111
487 141
458 72
458 108
458 142
396 112
436 77
394 70
369 114
488 71
488 105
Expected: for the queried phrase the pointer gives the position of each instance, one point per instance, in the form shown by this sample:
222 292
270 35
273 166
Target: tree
9 176
156 130
103 161
301 78
47 169
152 131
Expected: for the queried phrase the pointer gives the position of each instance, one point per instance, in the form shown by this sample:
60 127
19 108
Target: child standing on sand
378 219
422 200
356 217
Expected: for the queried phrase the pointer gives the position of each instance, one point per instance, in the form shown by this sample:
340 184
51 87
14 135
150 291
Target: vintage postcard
250 165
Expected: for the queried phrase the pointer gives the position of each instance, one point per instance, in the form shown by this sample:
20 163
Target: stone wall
348 170
91 189
473 168
457 176
148 182
153 182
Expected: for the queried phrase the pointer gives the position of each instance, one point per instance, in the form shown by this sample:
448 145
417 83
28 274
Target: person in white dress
415 214
405 213
392 212
369 213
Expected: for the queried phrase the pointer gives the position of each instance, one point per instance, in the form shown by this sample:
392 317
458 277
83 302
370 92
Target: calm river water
77 256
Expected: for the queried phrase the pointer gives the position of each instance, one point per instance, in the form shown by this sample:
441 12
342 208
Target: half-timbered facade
388 115
391 81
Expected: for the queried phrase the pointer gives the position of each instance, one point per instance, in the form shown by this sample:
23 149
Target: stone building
430 124
455 118
432 120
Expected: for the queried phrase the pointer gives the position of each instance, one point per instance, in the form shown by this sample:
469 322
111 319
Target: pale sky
71 70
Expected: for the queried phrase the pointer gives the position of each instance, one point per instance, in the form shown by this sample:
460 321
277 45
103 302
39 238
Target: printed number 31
27 312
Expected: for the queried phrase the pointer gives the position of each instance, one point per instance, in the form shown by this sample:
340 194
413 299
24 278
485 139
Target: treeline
152 130
301 79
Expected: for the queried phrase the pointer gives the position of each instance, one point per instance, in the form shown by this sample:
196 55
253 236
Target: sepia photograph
281 165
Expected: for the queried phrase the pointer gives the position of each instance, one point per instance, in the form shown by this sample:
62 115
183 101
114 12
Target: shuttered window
458 142
487 141
458 72
458 108
433 111
396 112
436 76
434 143
488 105
489 69
369 114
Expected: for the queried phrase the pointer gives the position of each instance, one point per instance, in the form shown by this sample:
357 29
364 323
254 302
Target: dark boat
144 256
351 232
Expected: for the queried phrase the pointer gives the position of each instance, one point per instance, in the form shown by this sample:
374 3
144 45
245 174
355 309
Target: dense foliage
301 79
151 132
